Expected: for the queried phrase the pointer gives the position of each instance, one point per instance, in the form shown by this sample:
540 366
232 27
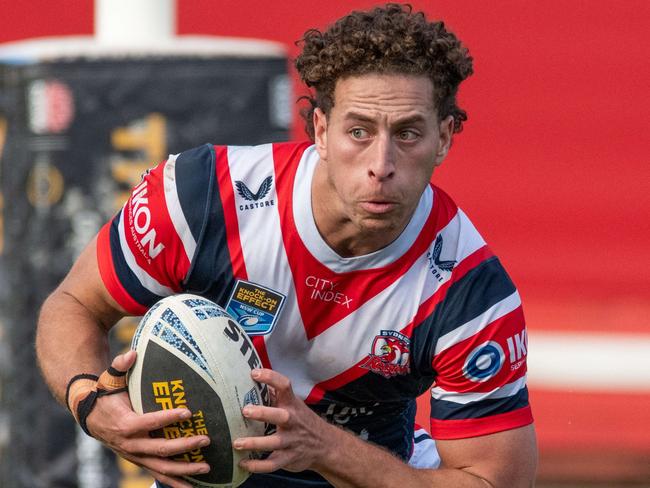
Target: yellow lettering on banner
147 136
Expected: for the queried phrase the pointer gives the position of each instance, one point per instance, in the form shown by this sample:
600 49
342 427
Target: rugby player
387 289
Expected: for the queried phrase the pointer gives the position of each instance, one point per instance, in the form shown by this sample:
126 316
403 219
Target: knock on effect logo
390 354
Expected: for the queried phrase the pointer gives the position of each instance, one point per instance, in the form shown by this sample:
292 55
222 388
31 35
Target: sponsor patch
390 354
254 307
484 362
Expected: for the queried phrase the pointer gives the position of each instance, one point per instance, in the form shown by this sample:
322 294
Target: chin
377 225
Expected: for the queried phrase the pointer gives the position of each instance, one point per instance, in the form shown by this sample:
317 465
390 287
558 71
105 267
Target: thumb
123 362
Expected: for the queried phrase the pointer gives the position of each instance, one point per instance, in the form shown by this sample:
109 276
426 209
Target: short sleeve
145 252
480 357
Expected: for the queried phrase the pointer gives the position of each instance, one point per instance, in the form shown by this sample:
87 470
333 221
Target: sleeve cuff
464 428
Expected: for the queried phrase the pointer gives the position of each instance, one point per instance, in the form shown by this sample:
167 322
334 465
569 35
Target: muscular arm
506 459
72 328
303 440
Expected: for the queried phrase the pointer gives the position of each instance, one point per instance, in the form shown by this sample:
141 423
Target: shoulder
193 164
279 152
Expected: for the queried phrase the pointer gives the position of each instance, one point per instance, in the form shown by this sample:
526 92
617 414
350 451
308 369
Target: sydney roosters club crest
390 354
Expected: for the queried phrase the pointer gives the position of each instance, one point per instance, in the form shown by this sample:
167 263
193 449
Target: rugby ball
191 353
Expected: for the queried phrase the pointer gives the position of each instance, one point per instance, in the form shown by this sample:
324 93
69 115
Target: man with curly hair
388 289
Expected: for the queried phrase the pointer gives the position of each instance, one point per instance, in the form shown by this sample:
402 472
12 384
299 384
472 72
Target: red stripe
109 277
347 376
147 208
461 269
425 310
449 363
260 346
232 234
312 278
230 213
461 429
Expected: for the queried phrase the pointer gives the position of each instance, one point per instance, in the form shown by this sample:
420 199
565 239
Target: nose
382 163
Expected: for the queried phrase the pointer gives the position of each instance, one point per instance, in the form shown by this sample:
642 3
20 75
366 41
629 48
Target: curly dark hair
391 39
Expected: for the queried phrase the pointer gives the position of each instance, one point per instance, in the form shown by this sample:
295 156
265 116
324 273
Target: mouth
378 207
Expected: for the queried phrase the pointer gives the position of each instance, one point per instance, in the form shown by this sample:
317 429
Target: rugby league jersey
359 337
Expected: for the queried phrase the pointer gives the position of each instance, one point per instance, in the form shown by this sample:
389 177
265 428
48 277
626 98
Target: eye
358 133
407 135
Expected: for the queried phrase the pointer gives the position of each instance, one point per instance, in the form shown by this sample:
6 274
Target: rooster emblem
392 350
390 354
262 191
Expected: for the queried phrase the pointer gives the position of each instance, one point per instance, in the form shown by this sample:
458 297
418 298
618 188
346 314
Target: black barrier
75 136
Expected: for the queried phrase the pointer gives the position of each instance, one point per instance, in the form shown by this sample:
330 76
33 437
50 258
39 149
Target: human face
378 148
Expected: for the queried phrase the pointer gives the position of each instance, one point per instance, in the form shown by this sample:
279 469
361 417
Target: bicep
507 458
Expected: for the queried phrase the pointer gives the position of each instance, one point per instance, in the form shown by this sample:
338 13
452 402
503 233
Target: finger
165 447
270 415
280 383
168 467
263 443
273 397
155 420
123 362
272 463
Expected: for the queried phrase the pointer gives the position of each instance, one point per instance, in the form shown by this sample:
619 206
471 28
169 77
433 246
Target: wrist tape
84 389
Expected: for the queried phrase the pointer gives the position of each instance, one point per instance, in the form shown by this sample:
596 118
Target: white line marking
589 361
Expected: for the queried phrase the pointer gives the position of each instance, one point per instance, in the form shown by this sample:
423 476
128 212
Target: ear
320 133
446 131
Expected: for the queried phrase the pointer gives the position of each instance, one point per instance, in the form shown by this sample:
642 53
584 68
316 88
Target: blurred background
552 167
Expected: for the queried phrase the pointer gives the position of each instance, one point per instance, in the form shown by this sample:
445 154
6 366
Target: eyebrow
410 119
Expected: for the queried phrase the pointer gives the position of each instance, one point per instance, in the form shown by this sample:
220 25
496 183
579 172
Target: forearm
69 341
350 462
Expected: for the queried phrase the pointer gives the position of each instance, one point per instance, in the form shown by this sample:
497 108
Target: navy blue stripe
211 273
444 410
477 291
194 176
129 280
420 438
473 294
